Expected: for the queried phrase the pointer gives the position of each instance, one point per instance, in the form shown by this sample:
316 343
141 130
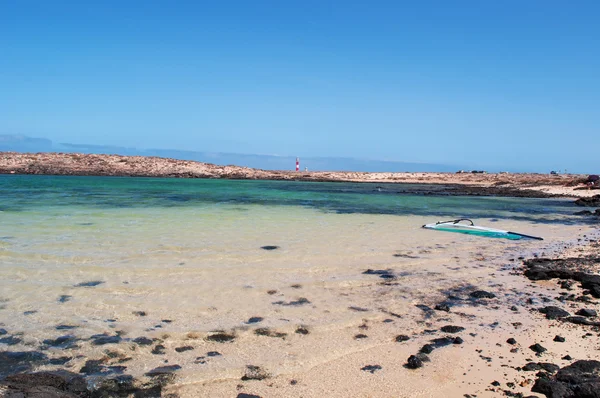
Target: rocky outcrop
581 379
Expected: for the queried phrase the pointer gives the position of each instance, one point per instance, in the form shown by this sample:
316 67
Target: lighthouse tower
297 164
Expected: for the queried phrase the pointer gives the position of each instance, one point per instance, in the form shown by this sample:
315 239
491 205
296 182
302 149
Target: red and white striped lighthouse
297 164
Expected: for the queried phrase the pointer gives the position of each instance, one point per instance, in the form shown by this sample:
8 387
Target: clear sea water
176 259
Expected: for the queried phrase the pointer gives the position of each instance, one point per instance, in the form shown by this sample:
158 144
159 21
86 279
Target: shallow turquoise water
63 194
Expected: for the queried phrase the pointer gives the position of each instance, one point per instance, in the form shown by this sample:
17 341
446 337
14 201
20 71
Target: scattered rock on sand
371 368
482 294
553 312
414 362
255 373
587 313
452 329
537 348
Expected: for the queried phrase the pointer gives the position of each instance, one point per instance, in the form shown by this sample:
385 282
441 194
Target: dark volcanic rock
511 341
92 366
553 312
159 349
300 301
559 339
20 361
537 348
220 337
581 379
102 339
452 329
57 384
580 320
442 307
587 312
383 273
549 367
89 284
414 362
255 319
593 201
184 348
402 337
480 294
426 349
162 370
64 341
302 330
244 395
565 268
255 373
143 341
371 368
269 247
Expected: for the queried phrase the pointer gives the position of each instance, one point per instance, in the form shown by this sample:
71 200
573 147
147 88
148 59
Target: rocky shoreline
499 184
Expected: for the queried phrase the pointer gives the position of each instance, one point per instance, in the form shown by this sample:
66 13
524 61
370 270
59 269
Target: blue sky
494 84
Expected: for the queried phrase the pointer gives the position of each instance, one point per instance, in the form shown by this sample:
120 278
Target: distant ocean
173 260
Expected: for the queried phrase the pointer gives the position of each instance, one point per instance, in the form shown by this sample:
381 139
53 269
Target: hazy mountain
19 143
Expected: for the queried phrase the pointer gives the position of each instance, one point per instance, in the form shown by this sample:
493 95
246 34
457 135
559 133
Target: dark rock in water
20 361
159 349
559 339
220 337
553 312
482 294
213 354
583 213
140 313
358 309
59 360
184 348
162 370
402 337
10 340
244 395
61 341
371 368
593 201
302 330
382 273
3 332
65 327
64 298
143 341
511 341
102 339
89 284
255 319
452 329
587 312
537 348
269 333
255 373
580 320
581 379
413 362
442 307
424 307
426 349
269 247
56 384
300 301
92 366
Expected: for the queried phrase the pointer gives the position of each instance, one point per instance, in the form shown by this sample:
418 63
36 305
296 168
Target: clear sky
509 84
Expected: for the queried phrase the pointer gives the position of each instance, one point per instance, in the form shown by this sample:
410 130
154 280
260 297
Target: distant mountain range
20 143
